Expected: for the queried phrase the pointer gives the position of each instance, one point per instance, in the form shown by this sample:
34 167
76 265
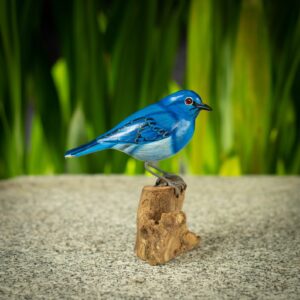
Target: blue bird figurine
153 133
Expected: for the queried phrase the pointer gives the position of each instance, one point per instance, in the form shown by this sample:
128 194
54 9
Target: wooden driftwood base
162 233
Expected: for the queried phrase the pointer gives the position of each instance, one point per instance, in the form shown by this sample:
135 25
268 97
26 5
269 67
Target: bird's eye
188 101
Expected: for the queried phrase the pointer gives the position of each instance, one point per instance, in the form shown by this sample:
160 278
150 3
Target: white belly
148 152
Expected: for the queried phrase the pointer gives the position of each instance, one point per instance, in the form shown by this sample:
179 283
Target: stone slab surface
72 237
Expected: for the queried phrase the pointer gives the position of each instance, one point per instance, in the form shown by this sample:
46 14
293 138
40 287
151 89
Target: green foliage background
70 70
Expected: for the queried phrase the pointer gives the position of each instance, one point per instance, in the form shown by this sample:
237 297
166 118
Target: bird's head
186 103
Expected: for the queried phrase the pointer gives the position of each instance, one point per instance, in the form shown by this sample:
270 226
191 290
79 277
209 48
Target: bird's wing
141 130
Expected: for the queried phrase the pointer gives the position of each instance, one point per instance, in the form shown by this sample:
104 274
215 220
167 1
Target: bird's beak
204 106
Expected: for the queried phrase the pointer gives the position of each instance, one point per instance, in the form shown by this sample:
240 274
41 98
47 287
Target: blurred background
70 70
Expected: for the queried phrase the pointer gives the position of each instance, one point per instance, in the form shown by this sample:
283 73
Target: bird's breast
182 134
183 128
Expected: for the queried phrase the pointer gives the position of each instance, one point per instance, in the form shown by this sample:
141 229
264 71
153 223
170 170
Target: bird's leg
167 178
148 164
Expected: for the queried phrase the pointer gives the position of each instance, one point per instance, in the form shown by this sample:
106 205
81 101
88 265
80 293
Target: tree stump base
162 233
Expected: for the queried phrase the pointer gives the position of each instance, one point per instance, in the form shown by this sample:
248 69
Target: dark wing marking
137 131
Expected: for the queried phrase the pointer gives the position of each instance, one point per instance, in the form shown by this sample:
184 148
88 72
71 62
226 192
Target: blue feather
141 130
88 148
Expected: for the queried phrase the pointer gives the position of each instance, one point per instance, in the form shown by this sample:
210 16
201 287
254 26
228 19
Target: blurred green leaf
71 70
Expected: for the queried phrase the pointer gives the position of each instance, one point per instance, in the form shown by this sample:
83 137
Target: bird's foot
167 179
172 180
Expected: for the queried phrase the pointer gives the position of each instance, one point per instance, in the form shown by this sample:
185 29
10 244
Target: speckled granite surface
72 237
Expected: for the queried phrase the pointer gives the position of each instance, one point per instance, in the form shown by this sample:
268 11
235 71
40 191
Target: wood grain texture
162 233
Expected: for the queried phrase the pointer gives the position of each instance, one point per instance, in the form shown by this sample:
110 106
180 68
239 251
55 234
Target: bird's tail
88 148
